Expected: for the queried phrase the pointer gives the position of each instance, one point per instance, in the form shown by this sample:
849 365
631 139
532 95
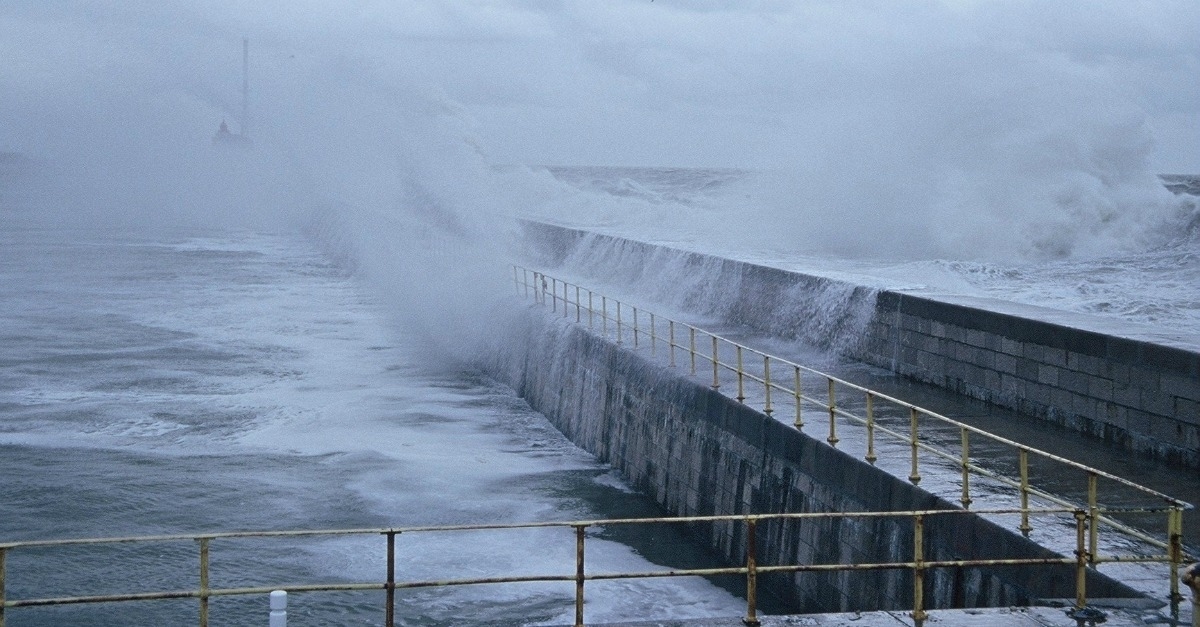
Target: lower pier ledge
976 617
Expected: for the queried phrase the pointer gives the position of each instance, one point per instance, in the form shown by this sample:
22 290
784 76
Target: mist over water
297 324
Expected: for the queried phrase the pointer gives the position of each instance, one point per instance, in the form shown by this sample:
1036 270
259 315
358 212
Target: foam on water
1126 252
240 380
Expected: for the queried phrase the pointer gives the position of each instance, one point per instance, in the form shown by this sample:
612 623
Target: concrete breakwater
697 452
1132 385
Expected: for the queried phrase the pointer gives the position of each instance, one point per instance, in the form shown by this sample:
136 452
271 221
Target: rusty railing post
716 364
796 390
692 347
203 581
653 336
1023 462
913 428
390 607
671 339
1082 557
3 554
620 333
604 315
635 327
832 439
1094 514
966 469
871 456
1175 550
579 576
919 613
767 409
741 395
751 618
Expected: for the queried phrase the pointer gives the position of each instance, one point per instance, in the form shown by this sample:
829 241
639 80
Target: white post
279 608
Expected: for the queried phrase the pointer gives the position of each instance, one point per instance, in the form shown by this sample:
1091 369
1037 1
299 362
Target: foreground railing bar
193 594
534 525
698 572
950 421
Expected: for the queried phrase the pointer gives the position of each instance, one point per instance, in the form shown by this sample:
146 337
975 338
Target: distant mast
225 137
245 86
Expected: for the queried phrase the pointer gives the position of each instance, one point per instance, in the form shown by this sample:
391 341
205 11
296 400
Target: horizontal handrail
548 290
580 575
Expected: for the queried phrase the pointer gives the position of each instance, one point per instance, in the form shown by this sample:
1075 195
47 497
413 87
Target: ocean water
180 380
195 381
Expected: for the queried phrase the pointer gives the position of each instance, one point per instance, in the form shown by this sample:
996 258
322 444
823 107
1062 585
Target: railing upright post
832 439
692 347
620 333
966 469
553 294
653 336
604 315
516 281
919 568
566 300
751 618
671 339
799 398
525 280
635 327
871 456
591 310
1081 560
716 364
1175 551
767 384
578 306
741 395
1094 514
3 554
1023 462
390 607
579 574
913 426
203 582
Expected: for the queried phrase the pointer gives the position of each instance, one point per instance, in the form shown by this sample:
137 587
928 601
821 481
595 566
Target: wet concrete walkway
994 617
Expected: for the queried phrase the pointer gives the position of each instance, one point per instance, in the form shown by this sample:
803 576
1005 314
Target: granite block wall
697 452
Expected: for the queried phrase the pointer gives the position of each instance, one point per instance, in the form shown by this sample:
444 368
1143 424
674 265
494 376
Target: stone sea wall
1134 386
698 453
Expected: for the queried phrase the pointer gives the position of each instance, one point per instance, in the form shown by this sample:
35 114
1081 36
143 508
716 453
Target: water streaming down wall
1135 386
697 452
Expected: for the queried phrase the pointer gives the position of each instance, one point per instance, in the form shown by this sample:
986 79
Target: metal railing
915 429
390 584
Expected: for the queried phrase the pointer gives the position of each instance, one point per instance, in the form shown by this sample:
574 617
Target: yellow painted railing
578 576
910 425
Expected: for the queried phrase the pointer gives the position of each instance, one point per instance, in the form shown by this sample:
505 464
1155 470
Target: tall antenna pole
245 85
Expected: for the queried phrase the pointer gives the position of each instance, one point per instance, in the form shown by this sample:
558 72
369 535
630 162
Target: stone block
1181 387
1047 375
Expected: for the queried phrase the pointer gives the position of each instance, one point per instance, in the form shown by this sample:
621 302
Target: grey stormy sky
666 82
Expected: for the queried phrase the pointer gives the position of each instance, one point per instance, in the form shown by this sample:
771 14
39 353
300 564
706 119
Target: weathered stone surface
734 460
1075 370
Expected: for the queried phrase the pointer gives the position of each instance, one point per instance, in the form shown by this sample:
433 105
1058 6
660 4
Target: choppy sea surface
193 381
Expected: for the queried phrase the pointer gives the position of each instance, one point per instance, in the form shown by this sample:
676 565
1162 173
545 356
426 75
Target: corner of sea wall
1136 388
697 452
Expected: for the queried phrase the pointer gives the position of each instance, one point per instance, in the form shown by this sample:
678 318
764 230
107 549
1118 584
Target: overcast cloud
737 83
900 118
